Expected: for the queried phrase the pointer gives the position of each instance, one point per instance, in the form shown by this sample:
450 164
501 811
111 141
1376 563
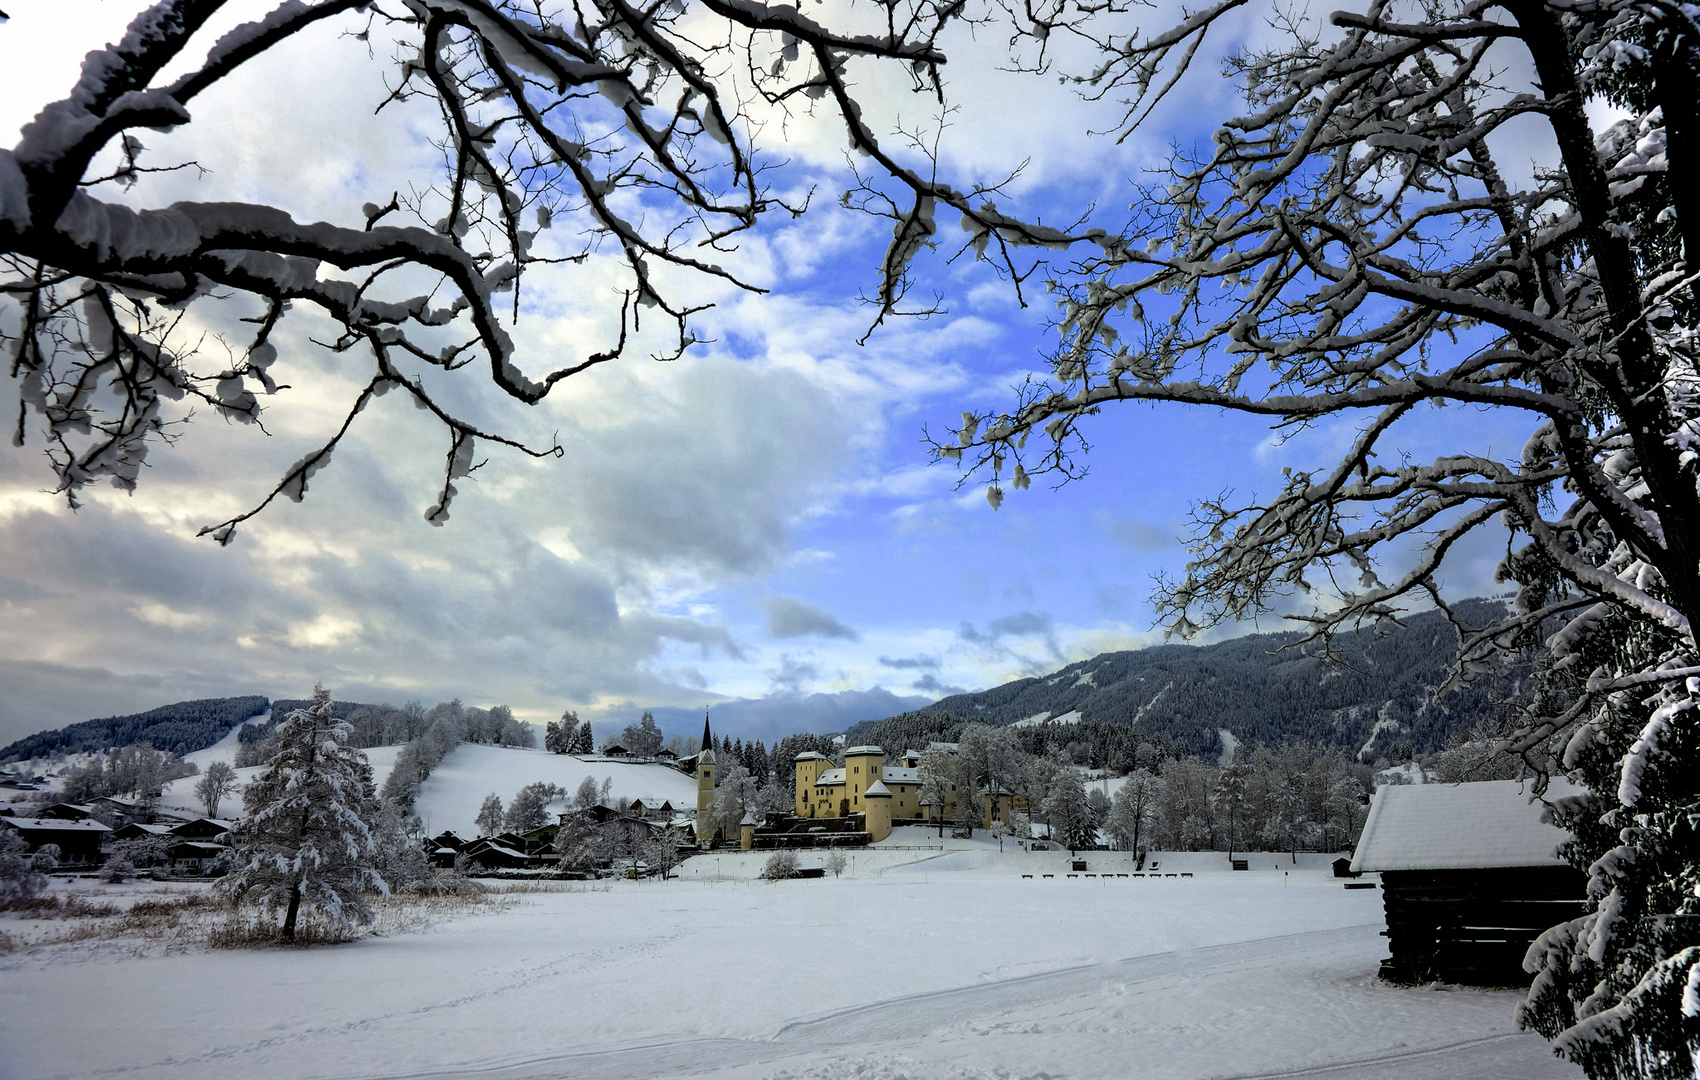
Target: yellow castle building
863 781
864 785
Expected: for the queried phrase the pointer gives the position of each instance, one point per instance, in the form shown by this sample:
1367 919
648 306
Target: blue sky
757 522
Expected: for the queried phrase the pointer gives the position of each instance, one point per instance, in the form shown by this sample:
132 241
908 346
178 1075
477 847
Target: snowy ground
918 963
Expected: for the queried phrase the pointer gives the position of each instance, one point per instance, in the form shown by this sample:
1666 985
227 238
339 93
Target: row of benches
1111 875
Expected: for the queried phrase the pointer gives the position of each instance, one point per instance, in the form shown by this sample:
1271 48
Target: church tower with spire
705 784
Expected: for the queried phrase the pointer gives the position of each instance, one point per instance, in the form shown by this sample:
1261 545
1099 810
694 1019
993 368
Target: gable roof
63 825
1489 823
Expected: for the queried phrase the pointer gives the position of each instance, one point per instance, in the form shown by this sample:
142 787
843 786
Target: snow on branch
602 143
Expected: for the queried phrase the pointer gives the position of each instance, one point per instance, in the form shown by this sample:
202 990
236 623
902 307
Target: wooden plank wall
1473 926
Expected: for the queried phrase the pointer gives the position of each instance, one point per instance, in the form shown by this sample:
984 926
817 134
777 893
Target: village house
1470 876
205 828
194 858
79 840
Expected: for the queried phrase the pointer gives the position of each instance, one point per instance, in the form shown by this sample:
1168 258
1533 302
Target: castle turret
809 767
705 785
863 767
877 800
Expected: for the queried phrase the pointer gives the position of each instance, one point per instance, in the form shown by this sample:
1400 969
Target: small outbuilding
1470 876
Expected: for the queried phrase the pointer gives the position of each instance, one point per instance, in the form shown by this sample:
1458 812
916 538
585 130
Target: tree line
180 728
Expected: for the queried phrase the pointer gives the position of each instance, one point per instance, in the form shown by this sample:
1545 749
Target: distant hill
182 728
1375 699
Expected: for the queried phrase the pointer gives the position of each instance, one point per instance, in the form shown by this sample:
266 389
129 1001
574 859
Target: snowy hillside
1377 700
451 797
178 797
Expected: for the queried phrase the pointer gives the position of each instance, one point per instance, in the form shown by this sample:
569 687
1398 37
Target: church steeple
705 785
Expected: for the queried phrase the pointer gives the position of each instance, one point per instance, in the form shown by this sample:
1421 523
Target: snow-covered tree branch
610 144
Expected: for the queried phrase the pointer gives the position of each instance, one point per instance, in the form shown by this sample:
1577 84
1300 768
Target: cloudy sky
756 525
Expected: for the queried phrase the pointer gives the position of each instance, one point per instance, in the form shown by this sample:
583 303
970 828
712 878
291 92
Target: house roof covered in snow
1490 823
27 824
831 776
858 751
895 775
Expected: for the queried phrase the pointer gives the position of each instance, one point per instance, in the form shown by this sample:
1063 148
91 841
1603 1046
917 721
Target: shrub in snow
836 862
23 874
117 870
306 836
781 864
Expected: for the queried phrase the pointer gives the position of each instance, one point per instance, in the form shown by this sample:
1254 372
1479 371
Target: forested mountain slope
1377 695
181 728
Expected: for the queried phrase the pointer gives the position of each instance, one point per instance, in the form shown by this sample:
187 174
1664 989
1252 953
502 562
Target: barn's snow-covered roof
1489 823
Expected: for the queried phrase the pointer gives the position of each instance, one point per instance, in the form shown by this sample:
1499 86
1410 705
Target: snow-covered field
918 963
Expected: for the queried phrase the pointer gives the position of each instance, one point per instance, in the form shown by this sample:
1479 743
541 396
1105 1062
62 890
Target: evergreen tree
586 742
306 836
1622 983
643 738
398 855
489 819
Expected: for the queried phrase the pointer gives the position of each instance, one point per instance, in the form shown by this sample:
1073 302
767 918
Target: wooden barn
1470 876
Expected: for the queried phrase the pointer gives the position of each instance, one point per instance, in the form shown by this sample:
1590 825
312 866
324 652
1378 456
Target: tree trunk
294 908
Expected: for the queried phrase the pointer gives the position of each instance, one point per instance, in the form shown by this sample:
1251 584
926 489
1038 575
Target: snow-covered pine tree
1621 984
398 855
306 836
586 743
489 819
